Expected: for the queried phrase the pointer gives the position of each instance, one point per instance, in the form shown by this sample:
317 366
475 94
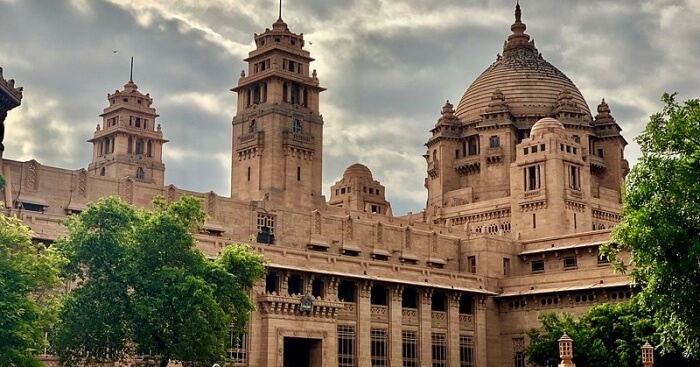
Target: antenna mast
131 71
280 10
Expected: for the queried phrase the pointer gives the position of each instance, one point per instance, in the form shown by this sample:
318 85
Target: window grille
236 347
409 346
379 343
569 262
466 351
266 220
518 352
439 347
346 346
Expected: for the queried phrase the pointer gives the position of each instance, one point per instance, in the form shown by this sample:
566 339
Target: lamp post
566 351
647 355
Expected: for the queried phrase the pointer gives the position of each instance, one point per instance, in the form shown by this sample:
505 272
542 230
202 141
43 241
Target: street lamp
566 351
647 355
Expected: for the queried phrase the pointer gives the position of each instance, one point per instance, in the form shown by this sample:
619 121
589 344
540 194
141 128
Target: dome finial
518 27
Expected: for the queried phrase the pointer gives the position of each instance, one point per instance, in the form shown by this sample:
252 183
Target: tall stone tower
129 143
277 130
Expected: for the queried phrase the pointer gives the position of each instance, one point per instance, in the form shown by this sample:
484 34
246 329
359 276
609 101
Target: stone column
364 323
395 329
426 328
480 330
453 328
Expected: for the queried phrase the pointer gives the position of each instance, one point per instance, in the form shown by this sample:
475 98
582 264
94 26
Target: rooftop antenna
280 18
131 71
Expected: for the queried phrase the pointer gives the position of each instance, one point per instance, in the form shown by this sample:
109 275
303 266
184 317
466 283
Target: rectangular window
506 266
534 220
439 349
317 287
466 351
346 291
271 282
574 178
570 262
532 178
298 173
248 174
346 346
534 148
236 348
603 260
296 127
600 153
537 266
526 151
378 347
542 147
494 142
266 220
409 348
471 264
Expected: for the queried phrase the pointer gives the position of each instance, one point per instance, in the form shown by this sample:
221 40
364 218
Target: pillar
480 331
395 329
364 324
426 328
453 328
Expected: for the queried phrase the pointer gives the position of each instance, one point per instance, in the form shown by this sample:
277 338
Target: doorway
302 352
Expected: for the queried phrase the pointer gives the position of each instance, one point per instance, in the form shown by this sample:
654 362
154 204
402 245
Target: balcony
468 165
434 168
272 304
494 155
597 164
250 141
299 141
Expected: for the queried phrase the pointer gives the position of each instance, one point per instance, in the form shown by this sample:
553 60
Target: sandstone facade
523 185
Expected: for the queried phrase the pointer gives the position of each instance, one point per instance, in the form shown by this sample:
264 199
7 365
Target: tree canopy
143 288
661 225
28 272
607 335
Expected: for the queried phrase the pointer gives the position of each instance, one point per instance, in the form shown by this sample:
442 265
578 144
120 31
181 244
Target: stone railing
250 140
348 311
379 314
468 165
299 141
438 319
466 322
409 316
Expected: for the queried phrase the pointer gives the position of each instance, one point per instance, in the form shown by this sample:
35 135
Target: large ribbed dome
358 170
529 84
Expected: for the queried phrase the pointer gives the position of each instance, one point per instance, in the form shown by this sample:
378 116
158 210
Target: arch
140 174
139 146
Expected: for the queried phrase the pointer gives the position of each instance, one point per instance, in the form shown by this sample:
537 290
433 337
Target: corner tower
277 130
129 143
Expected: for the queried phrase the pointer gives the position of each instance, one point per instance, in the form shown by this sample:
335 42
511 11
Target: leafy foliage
27 274
605 336
3 182
143 288
661 225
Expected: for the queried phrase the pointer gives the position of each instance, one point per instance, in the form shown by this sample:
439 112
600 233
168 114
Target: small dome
546 125
358 170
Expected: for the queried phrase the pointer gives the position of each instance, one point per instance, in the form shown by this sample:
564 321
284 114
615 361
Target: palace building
523 181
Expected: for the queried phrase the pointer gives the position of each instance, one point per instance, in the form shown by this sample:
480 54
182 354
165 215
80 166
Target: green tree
605 336
661 225
28 272
143 288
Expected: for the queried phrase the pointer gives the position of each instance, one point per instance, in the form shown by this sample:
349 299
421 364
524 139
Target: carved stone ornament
306 304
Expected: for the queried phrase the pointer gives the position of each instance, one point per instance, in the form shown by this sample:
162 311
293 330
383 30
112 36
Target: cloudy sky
389 66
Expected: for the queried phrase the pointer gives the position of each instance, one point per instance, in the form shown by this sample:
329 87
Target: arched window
306 98
140 174
105 146
130 145
149 147
296 128
253 126
284 92
139 146
103 171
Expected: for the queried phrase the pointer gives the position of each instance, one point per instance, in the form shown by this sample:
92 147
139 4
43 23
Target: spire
280 16
131 71
519 39
518 27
